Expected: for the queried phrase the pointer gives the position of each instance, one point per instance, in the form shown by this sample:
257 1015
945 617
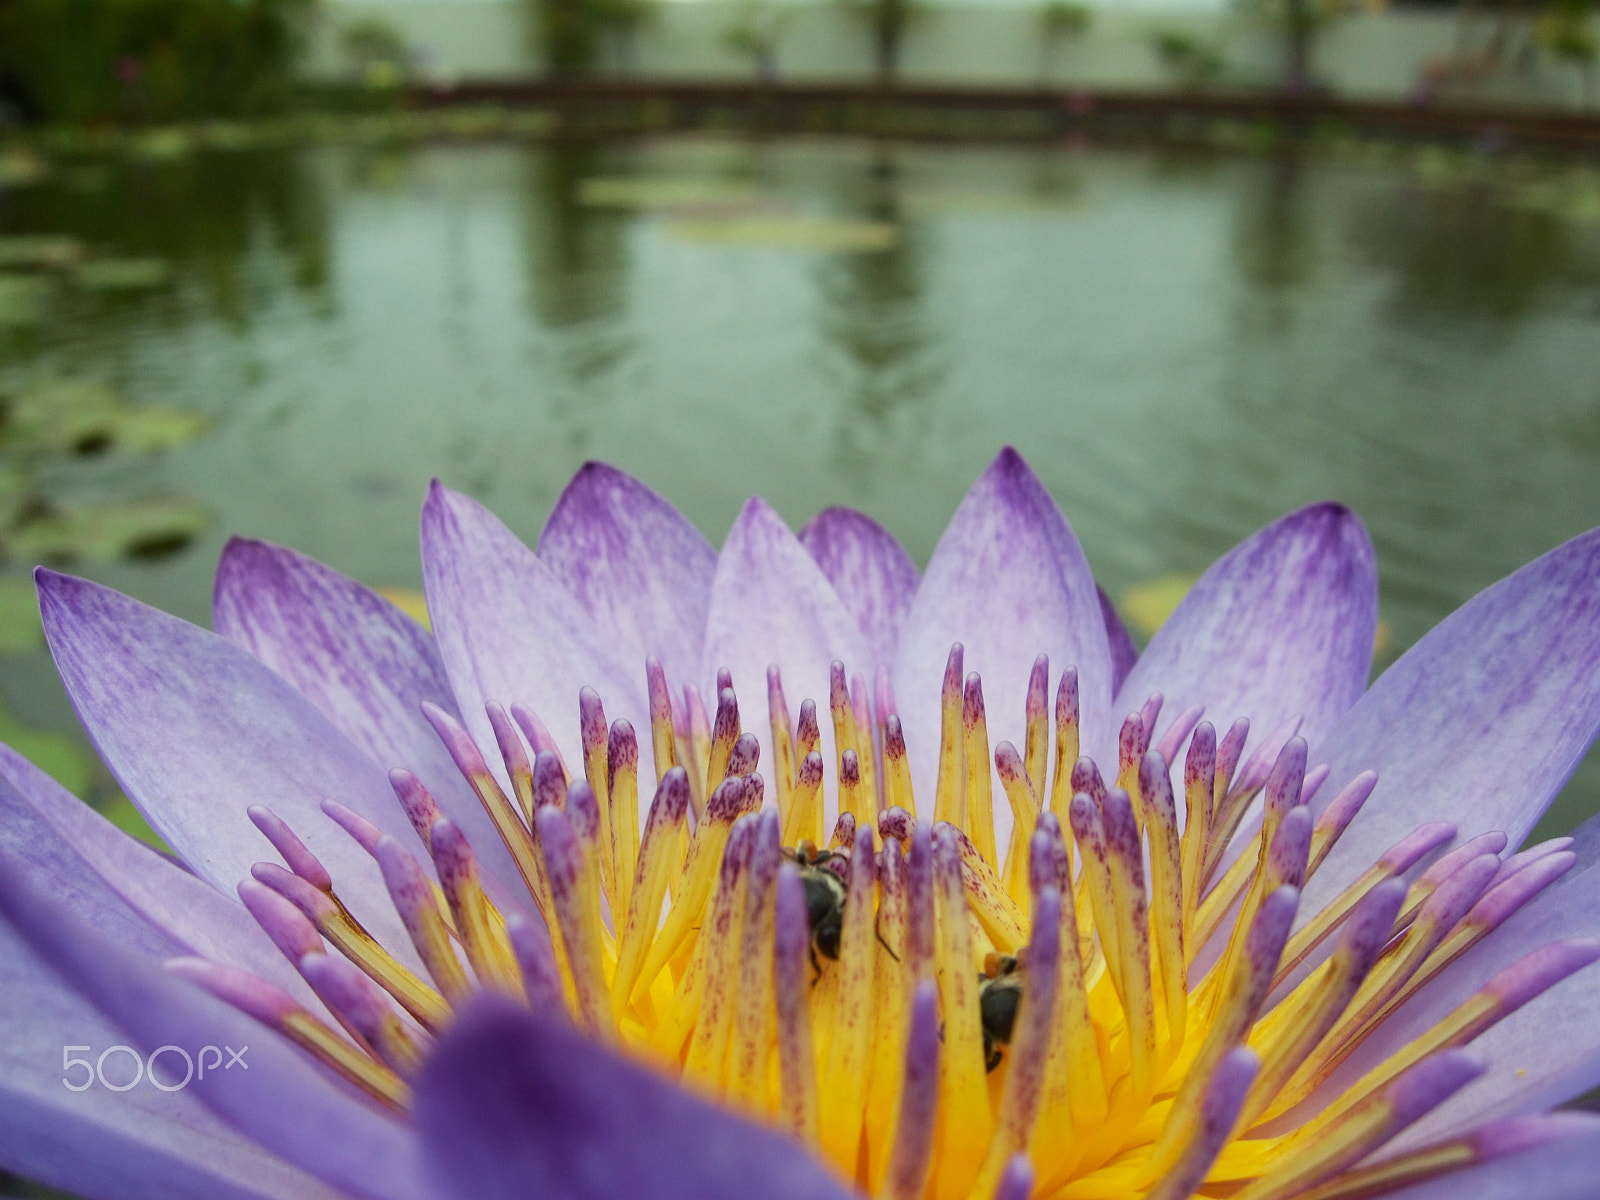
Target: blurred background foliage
155 60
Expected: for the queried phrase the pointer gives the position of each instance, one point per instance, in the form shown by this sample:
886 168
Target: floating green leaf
22 299
121 813
39 250
656 192
63 757
1148 605
21 167
162 144
84 417
788 233
137 529
123 274
13 495
19 617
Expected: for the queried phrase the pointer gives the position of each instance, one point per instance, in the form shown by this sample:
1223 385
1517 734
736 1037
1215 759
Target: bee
822 874
825 896
999 995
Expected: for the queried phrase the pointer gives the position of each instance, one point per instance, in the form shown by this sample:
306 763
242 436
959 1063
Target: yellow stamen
979 794
844 1075
966 1121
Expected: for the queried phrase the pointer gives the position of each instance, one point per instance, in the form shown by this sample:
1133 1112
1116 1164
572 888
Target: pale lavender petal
1544 1053
873 575
1280 627
196 730
511 1106
1543 1049
1123 652
282 1101
1480 722
509 631
1563 1169
87 862
366 666
771 603
637 566
1008 581
142 1144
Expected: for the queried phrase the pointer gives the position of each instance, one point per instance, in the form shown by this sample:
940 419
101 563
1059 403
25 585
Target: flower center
1118 993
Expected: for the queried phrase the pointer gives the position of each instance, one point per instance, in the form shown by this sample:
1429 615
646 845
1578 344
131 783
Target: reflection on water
1185 345
887 357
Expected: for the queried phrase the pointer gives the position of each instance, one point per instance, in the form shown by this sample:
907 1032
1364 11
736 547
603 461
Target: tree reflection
1275 233
1468 247
207 214
577 261
886 356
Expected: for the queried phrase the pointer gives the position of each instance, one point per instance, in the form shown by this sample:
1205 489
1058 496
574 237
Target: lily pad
21 167
84 417
121 813
137 529
123 274
59 755
409 601
1146 606
13 495
50 250
22 300
788 233
163 144
19 617
657 192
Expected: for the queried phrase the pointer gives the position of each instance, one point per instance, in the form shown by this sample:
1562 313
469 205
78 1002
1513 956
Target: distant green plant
1064 19
1191 59
158 60
376 51
887 21
572 33
1299 22
754 31
1060 22
1565 31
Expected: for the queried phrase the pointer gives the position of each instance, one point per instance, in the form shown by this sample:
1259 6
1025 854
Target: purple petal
1280 627
366 666
771 603
873 575
1562 1170
1008 581
1123 652
195 730
510 632
639 568
1480 722
142 1144
282 1101
511 1106
92 867
1546 1052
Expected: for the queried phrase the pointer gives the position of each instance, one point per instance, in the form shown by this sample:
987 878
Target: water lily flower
785 871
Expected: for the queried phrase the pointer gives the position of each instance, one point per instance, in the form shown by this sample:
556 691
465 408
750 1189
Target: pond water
1183 344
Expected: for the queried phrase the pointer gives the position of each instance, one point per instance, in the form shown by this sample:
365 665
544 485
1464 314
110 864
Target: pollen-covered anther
1094 990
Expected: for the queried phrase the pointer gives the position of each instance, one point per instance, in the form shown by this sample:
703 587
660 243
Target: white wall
1374 56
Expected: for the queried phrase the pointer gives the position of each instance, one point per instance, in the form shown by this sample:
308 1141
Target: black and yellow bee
999 996
825 896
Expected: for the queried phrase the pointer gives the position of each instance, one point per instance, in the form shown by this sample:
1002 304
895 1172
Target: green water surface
1183 344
